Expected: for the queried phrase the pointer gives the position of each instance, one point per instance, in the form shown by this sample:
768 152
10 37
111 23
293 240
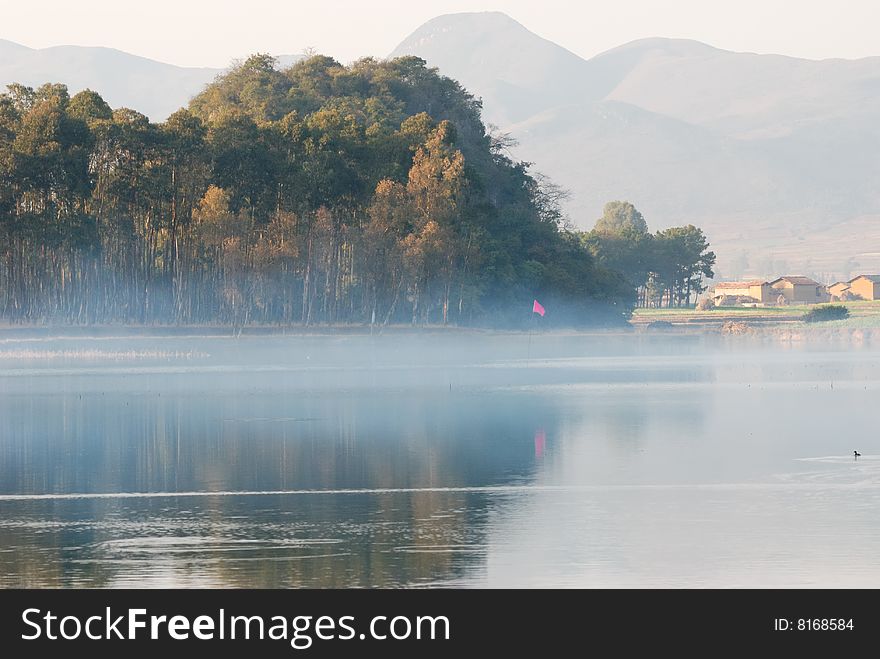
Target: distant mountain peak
493 19
497 58
472 28
666 45
9 47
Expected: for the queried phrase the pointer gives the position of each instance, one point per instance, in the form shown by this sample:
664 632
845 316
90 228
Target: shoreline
134 331
778 323
783 331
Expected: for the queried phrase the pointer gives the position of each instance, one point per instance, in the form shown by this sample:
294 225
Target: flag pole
537 308
529 349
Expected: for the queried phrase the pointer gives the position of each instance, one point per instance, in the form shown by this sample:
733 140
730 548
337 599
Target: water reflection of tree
138 443
336 541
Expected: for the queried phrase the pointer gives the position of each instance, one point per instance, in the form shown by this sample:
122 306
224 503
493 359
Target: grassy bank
862 315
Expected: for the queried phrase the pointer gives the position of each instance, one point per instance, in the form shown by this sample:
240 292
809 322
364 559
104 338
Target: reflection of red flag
538 309
540 439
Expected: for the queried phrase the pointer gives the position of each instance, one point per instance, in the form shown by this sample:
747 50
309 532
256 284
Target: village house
866 287
792 289
799 290
838 290
744 292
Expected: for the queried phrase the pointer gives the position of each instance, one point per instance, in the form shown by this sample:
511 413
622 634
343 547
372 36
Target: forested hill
315 194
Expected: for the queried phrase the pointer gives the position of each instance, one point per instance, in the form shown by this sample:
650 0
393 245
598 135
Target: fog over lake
437 459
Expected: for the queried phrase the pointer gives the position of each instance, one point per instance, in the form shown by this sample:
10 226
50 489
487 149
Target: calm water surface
438 460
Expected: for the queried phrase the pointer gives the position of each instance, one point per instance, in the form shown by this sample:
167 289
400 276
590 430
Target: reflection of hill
268 442
266 431
273 441
625 461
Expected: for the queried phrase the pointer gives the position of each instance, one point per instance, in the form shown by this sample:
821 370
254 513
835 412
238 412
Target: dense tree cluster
320 193
667 268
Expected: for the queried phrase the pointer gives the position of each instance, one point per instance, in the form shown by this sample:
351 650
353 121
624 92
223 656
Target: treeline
666 269
321 193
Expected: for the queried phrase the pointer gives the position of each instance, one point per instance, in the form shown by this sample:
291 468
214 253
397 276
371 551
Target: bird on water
856 454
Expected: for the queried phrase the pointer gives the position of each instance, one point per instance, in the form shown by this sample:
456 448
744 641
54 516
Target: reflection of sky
625 462
748 536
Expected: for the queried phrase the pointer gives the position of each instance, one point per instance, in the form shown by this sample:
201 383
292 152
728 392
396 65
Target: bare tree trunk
307 310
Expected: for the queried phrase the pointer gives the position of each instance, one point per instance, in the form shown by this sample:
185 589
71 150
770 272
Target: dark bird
856 454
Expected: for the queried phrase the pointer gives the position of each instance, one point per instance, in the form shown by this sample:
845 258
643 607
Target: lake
464 459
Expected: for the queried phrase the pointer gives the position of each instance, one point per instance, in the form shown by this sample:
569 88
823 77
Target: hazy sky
212 32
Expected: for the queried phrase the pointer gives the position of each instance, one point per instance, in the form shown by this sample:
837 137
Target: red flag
538 309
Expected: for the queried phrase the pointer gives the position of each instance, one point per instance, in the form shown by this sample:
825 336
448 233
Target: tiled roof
798 280
738 284
873 278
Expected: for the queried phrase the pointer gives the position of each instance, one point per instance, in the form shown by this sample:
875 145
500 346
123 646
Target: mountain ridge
767 152
743 144
152 87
